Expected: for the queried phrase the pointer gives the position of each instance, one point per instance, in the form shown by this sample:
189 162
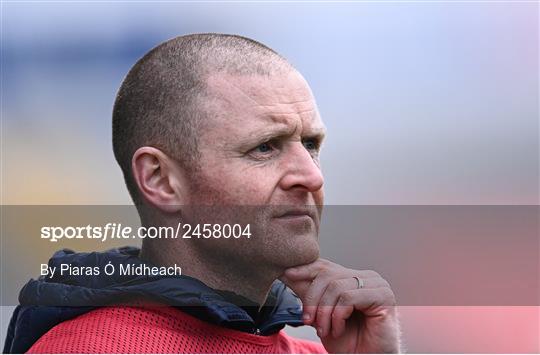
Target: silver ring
359 282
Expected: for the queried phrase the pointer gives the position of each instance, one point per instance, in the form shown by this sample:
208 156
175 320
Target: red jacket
159 329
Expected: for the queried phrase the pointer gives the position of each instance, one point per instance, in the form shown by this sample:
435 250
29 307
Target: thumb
300 287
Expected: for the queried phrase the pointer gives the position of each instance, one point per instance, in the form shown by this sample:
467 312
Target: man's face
260 157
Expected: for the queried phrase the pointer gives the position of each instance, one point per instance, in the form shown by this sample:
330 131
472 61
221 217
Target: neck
227 273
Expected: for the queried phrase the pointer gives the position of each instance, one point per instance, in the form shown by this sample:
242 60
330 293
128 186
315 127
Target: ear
160 179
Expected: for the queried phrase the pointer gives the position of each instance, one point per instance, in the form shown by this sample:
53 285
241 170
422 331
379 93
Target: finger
372 282
370 301
312 298
317 273
331 296
299 288
328 301
340 314
310 271
326 272
307 271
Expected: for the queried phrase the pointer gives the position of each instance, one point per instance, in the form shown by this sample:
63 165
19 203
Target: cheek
227 187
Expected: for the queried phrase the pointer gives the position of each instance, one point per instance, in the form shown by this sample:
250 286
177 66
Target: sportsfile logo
119 231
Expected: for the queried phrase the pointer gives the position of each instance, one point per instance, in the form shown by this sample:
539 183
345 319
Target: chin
301 251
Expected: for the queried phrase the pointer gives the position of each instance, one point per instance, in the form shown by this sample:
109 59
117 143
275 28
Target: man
215 129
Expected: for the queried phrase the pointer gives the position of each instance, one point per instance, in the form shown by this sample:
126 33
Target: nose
301 170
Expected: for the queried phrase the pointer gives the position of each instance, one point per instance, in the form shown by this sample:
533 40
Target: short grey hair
161 101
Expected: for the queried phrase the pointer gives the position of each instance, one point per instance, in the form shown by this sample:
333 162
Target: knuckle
389 297
321 311
323 263
309 298
328 262
385 283
334 284
372 273
325 269
346 298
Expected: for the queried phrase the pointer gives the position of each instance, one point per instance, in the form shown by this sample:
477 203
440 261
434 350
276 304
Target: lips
298 212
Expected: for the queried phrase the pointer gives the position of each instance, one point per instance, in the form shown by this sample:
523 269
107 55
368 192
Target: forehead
257 101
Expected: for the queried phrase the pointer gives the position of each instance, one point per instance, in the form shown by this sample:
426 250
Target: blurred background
426 103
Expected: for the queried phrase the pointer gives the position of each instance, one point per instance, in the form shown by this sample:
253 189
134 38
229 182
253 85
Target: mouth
297 213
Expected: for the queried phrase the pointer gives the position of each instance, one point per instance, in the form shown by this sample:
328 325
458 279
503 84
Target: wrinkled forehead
259 100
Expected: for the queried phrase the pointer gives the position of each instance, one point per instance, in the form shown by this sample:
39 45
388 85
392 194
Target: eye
311 144
264 151
264 148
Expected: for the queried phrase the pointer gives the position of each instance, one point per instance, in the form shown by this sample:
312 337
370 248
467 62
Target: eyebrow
277 132
318 132
264 135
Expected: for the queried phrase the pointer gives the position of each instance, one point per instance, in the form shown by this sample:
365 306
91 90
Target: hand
348 319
